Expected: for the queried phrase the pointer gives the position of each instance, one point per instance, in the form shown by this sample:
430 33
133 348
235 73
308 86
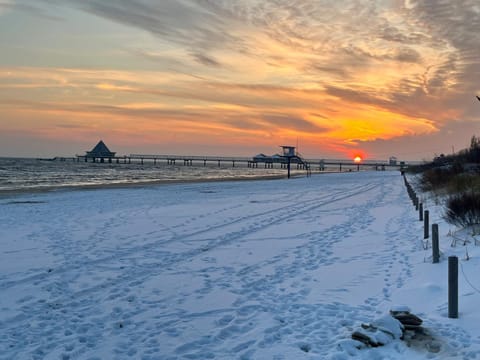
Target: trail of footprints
257 296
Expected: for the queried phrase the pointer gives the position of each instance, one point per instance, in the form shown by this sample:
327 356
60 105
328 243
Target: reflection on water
33 174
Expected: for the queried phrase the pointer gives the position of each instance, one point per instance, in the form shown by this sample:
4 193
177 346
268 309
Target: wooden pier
101 154
251 162
189 160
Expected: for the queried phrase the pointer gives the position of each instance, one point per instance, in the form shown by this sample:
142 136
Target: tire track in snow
292 314
63 298
287 212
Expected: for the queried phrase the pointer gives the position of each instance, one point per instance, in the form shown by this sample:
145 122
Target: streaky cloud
206 60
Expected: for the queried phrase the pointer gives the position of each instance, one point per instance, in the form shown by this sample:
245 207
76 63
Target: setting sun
357 159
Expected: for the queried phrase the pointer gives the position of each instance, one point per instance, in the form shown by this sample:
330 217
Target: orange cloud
166 108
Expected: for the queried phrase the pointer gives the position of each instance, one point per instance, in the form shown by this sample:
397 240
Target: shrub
436 178
463 183
463 209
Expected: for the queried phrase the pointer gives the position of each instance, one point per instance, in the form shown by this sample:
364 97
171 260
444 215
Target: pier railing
267 161
189 157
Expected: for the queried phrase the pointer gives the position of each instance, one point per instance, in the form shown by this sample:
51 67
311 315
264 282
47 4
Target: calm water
32 174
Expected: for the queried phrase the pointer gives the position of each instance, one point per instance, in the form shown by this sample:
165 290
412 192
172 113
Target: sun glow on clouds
251 72
369 123
238 112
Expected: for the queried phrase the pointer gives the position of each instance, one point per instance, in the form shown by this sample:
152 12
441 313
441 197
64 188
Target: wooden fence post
435 244
452 287
420 212
426 233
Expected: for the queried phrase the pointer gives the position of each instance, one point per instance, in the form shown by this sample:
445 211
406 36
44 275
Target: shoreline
126 185
11 193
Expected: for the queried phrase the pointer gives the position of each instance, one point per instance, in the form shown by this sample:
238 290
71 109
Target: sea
31 175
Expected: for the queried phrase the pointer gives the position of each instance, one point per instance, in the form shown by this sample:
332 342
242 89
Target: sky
337 79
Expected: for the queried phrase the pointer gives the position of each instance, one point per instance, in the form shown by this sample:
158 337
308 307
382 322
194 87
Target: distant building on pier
100 151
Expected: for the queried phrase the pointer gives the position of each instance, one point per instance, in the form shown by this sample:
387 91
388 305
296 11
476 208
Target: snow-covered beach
267 269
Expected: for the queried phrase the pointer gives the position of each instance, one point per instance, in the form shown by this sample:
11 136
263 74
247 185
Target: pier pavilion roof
100 150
